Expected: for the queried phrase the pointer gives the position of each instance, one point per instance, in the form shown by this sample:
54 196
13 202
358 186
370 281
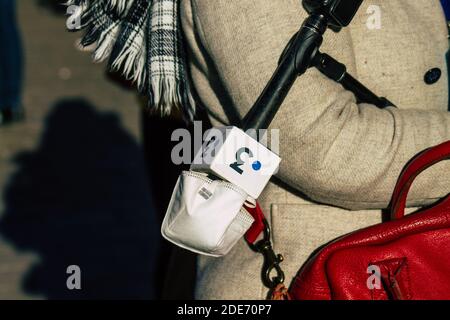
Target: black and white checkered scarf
142 39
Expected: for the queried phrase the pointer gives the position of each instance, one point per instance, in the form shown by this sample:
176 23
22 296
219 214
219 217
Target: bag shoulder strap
416 166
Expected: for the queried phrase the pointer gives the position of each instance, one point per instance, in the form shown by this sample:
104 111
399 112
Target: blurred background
85 177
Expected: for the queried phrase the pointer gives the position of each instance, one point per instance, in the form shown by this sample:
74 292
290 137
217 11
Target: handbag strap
258 225
417 165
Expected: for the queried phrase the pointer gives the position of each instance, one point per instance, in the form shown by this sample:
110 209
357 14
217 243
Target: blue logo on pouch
256 165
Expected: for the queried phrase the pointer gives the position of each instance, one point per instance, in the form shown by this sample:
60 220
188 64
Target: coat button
432 76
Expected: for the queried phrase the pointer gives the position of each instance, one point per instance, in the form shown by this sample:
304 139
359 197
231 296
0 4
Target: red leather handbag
407 258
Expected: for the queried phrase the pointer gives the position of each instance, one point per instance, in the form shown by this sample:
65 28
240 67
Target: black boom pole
301 53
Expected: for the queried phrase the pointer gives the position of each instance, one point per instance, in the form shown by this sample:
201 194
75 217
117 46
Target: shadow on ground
82 198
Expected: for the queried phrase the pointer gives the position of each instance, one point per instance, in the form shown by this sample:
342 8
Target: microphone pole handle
337 71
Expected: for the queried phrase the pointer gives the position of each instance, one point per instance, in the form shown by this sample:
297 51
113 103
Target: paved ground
76 154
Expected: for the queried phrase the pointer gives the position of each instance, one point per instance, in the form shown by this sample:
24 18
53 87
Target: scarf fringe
121 6
165 91
131 62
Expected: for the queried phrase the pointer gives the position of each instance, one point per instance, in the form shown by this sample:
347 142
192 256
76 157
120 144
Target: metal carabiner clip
271 260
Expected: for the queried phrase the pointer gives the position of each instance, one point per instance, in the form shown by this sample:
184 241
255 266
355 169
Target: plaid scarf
143 40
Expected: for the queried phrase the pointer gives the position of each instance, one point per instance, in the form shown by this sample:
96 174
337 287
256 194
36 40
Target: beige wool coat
340 159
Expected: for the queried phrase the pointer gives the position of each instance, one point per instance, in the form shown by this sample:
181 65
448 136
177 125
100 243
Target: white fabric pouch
206 216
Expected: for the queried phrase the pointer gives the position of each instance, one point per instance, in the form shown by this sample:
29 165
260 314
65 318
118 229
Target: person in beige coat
340 159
